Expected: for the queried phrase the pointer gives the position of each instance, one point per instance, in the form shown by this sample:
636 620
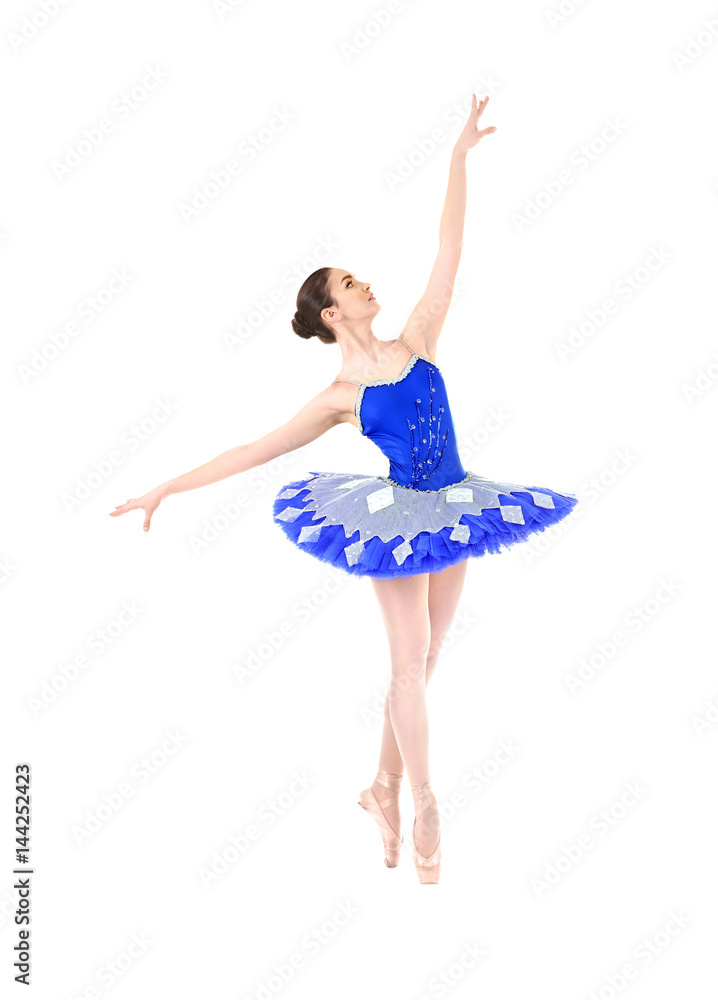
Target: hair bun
300 327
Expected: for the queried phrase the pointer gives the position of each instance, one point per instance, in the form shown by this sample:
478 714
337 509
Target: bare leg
404 604
443 599
417 613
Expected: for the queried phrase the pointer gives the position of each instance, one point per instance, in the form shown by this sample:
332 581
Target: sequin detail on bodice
409 419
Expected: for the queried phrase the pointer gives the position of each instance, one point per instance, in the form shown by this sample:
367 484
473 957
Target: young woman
412 531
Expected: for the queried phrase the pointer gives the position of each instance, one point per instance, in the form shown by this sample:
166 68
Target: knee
433 655
408 674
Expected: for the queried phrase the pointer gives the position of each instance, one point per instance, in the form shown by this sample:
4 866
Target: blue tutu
429 512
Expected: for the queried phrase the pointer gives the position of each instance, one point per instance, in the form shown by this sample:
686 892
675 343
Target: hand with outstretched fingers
148 503
471 134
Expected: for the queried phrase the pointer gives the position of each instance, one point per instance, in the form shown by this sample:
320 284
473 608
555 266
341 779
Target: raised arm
314 419
424 324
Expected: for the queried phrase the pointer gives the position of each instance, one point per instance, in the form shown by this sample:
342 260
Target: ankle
425 787
426 808
389 779
421 792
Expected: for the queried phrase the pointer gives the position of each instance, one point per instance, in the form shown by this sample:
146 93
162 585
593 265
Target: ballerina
413 531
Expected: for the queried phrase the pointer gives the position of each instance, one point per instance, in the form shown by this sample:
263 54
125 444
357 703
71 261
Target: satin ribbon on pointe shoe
428 869
369 802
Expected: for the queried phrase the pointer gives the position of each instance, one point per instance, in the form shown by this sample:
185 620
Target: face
353 297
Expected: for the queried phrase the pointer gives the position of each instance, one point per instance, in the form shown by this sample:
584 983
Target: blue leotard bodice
409 419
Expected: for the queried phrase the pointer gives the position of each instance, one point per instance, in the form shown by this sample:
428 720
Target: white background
263 662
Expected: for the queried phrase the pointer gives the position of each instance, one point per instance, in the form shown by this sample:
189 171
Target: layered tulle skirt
371 526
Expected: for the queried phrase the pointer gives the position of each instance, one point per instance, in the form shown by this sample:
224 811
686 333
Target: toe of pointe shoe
392 855
430 878
428 869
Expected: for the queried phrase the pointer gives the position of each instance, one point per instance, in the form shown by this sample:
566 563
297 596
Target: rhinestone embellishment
425 466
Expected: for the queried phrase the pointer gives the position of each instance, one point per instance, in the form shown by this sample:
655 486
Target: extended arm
451 227
309 423
424 325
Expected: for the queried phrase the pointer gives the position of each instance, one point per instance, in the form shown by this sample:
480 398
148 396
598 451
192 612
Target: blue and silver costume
429 512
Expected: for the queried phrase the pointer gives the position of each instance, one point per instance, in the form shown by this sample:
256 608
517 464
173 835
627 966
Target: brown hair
312 297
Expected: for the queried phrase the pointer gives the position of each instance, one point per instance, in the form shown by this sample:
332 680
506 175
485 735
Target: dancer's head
329 297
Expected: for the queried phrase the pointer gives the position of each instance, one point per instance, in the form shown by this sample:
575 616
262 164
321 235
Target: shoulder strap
405 345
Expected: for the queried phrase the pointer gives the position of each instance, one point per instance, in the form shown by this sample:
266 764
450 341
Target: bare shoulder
340 398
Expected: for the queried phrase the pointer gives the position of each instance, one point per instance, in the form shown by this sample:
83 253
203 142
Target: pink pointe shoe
427 869
368 801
